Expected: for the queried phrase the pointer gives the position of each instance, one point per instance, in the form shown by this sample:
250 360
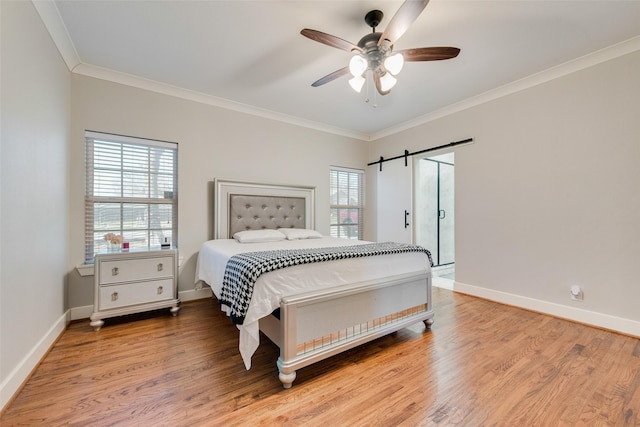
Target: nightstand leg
174 311
96 324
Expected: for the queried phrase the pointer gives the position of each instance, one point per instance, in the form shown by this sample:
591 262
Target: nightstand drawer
127 270
115 296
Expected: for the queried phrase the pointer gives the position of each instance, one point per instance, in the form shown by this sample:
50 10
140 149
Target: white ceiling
249 55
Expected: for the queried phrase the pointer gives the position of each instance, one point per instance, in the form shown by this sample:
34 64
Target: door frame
414 203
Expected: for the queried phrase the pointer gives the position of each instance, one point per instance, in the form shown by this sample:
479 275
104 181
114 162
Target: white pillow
257 236
299 233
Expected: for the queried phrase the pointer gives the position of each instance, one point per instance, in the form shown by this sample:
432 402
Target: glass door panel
435 207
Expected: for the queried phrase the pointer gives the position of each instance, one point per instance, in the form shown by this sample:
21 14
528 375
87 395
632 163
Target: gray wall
34 190
548 195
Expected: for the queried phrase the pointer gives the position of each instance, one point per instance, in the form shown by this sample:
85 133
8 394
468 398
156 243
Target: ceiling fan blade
329 40
402 20
331 77
429 53
376 80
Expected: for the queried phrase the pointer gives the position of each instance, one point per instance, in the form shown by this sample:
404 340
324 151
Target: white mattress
270 287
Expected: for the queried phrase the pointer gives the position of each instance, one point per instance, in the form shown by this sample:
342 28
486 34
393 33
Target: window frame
153 147
336 228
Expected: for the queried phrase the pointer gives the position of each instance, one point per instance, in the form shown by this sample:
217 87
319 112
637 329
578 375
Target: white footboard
316 325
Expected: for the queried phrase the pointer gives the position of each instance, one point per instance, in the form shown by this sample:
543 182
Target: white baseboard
439 282
193 294
13 383
81 312
592 318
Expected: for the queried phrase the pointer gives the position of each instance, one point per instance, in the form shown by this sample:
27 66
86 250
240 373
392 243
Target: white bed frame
319 324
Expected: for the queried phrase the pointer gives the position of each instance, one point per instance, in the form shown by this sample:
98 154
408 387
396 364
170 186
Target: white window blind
131 190
347 203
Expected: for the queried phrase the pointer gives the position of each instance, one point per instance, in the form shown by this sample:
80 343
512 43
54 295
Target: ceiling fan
374 51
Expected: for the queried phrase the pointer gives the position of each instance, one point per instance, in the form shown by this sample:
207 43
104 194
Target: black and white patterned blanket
244 269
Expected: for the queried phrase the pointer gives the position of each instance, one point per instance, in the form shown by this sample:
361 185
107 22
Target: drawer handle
160 267
114 296
160 289
114 271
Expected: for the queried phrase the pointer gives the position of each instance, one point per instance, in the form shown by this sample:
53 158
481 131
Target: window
131 190
347 203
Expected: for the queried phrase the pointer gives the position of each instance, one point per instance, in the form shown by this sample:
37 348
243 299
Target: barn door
394 205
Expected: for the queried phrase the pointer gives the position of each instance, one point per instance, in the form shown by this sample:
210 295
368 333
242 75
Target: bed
311 310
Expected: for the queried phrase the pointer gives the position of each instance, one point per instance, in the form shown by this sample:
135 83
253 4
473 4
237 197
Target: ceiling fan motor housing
369 43
375 54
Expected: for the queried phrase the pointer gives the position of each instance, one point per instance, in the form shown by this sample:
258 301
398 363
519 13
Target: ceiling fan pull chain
366 98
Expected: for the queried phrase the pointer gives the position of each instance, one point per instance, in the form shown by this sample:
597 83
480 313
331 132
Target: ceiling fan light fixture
394 63
358 65
387 81
356 83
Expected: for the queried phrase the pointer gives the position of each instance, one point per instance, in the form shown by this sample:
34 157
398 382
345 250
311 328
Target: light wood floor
482 364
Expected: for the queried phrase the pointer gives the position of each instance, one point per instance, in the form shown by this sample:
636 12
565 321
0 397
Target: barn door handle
406 219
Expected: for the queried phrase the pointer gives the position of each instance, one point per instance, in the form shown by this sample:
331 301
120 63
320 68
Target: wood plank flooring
482 364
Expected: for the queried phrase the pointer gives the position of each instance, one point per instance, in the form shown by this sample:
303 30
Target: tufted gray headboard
248 212
240 205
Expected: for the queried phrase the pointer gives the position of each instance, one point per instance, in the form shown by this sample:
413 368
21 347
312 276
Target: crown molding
50 16
581 63
178 92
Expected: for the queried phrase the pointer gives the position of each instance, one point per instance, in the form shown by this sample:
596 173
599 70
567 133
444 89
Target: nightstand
132 282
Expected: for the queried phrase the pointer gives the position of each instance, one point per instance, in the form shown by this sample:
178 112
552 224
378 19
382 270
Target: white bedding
270 287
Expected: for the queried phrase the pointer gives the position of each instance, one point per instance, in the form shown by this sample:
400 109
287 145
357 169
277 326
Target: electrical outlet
576 293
